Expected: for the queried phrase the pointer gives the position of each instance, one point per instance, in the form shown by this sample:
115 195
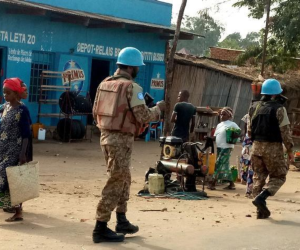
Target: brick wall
224 54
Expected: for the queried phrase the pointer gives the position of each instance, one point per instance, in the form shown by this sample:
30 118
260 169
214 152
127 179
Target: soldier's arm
250 113
141 112
96 103
284 125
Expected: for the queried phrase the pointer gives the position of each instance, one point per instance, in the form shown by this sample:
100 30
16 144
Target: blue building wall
24 38
149 11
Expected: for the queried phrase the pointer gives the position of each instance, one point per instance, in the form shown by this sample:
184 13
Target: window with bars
41 60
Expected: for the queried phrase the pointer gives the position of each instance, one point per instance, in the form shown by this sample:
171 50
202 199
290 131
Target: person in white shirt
222 169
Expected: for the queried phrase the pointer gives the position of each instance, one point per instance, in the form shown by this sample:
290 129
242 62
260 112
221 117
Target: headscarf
228 111
14 84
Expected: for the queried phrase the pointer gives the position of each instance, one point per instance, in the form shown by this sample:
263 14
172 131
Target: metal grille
40 61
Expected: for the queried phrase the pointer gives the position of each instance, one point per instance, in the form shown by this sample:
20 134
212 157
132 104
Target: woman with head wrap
29 151
222 169
14 135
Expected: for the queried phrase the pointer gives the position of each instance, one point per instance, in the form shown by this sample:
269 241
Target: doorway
100 70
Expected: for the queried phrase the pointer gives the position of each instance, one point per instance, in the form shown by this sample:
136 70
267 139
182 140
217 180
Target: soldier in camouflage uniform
269 127
119 108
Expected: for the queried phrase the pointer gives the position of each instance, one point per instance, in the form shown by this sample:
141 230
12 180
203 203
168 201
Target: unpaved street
72 176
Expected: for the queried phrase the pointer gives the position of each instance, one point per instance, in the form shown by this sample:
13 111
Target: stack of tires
68 129
70 103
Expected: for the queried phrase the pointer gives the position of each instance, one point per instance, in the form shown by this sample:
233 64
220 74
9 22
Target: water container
156 184
35 129
42 134
212 158
211 161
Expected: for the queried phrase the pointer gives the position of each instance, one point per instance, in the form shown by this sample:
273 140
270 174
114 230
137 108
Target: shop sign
157 83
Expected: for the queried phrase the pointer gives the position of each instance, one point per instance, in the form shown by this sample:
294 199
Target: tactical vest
264 124
113 109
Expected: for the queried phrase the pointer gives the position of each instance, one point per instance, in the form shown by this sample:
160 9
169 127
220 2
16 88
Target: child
14 136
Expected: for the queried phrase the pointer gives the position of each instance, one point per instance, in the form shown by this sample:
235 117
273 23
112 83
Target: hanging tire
66 103
82 104
69 103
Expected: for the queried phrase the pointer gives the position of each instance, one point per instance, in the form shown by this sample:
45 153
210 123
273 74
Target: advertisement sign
76 73
157 83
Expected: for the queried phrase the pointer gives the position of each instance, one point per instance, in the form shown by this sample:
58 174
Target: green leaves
205 25
284 38
235 41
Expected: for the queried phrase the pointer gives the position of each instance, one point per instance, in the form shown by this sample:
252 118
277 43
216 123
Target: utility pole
170 70
265 38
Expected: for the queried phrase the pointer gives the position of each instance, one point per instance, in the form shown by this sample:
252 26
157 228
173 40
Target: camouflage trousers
115 193
268 161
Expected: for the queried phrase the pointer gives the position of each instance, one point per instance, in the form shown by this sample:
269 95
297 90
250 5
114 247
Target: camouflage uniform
117 149
268 157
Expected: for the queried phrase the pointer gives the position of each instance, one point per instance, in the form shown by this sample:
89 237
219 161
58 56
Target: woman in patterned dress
222 170
245 161
14 135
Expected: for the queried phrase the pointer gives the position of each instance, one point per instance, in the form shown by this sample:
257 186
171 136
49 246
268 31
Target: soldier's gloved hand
161 105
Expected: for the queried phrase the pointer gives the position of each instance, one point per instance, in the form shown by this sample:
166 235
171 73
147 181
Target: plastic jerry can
211 161
156 184
42 134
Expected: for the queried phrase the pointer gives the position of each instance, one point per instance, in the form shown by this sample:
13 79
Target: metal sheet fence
212 88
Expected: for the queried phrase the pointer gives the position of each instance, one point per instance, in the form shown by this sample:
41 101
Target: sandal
211 188
14 219
229 188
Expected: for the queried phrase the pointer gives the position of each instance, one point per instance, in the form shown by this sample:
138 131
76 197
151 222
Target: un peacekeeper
119 109
269 128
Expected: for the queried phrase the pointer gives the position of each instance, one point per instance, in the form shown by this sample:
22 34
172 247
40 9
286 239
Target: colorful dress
15 127
245 161
222 170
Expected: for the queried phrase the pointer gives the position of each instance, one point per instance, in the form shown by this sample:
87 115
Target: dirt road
72 176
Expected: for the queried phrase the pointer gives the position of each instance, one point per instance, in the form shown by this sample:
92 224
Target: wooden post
265 39
170 70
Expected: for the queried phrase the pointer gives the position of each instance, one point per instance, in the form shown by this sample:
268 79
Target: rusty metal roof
205 63
91 20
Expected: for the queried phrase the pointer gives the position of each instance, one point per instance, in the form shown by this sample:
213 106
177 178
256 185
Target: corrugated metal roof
189 59
95 17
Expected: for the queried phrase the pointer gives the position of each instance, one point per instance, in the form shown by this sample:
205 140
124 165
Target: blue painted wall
23 35
149 11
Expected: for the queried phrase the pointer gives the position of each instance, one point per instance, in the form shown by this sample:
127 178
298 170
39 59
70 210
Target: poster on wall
76 74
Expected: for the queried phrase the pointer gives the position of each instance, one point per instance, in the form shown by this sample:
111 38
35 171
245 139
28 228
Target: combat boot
260 215
260 203
124 226
102 233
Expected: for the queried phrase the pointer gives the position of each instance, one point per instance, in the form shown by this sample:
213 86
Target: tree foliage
256 7
286 25
278 59
235 41
202 24
284 37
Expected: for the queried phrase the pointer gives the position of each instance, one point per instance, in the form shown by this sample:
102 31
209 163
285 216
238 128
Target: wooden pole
170 70
265 39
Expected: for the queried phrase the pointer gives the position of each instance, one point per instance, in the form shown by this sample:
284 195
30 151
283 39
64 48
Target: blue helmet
271 87
131 57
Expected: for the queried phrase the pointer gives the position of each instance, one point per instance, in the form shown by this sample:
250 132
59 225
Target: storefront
36 37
